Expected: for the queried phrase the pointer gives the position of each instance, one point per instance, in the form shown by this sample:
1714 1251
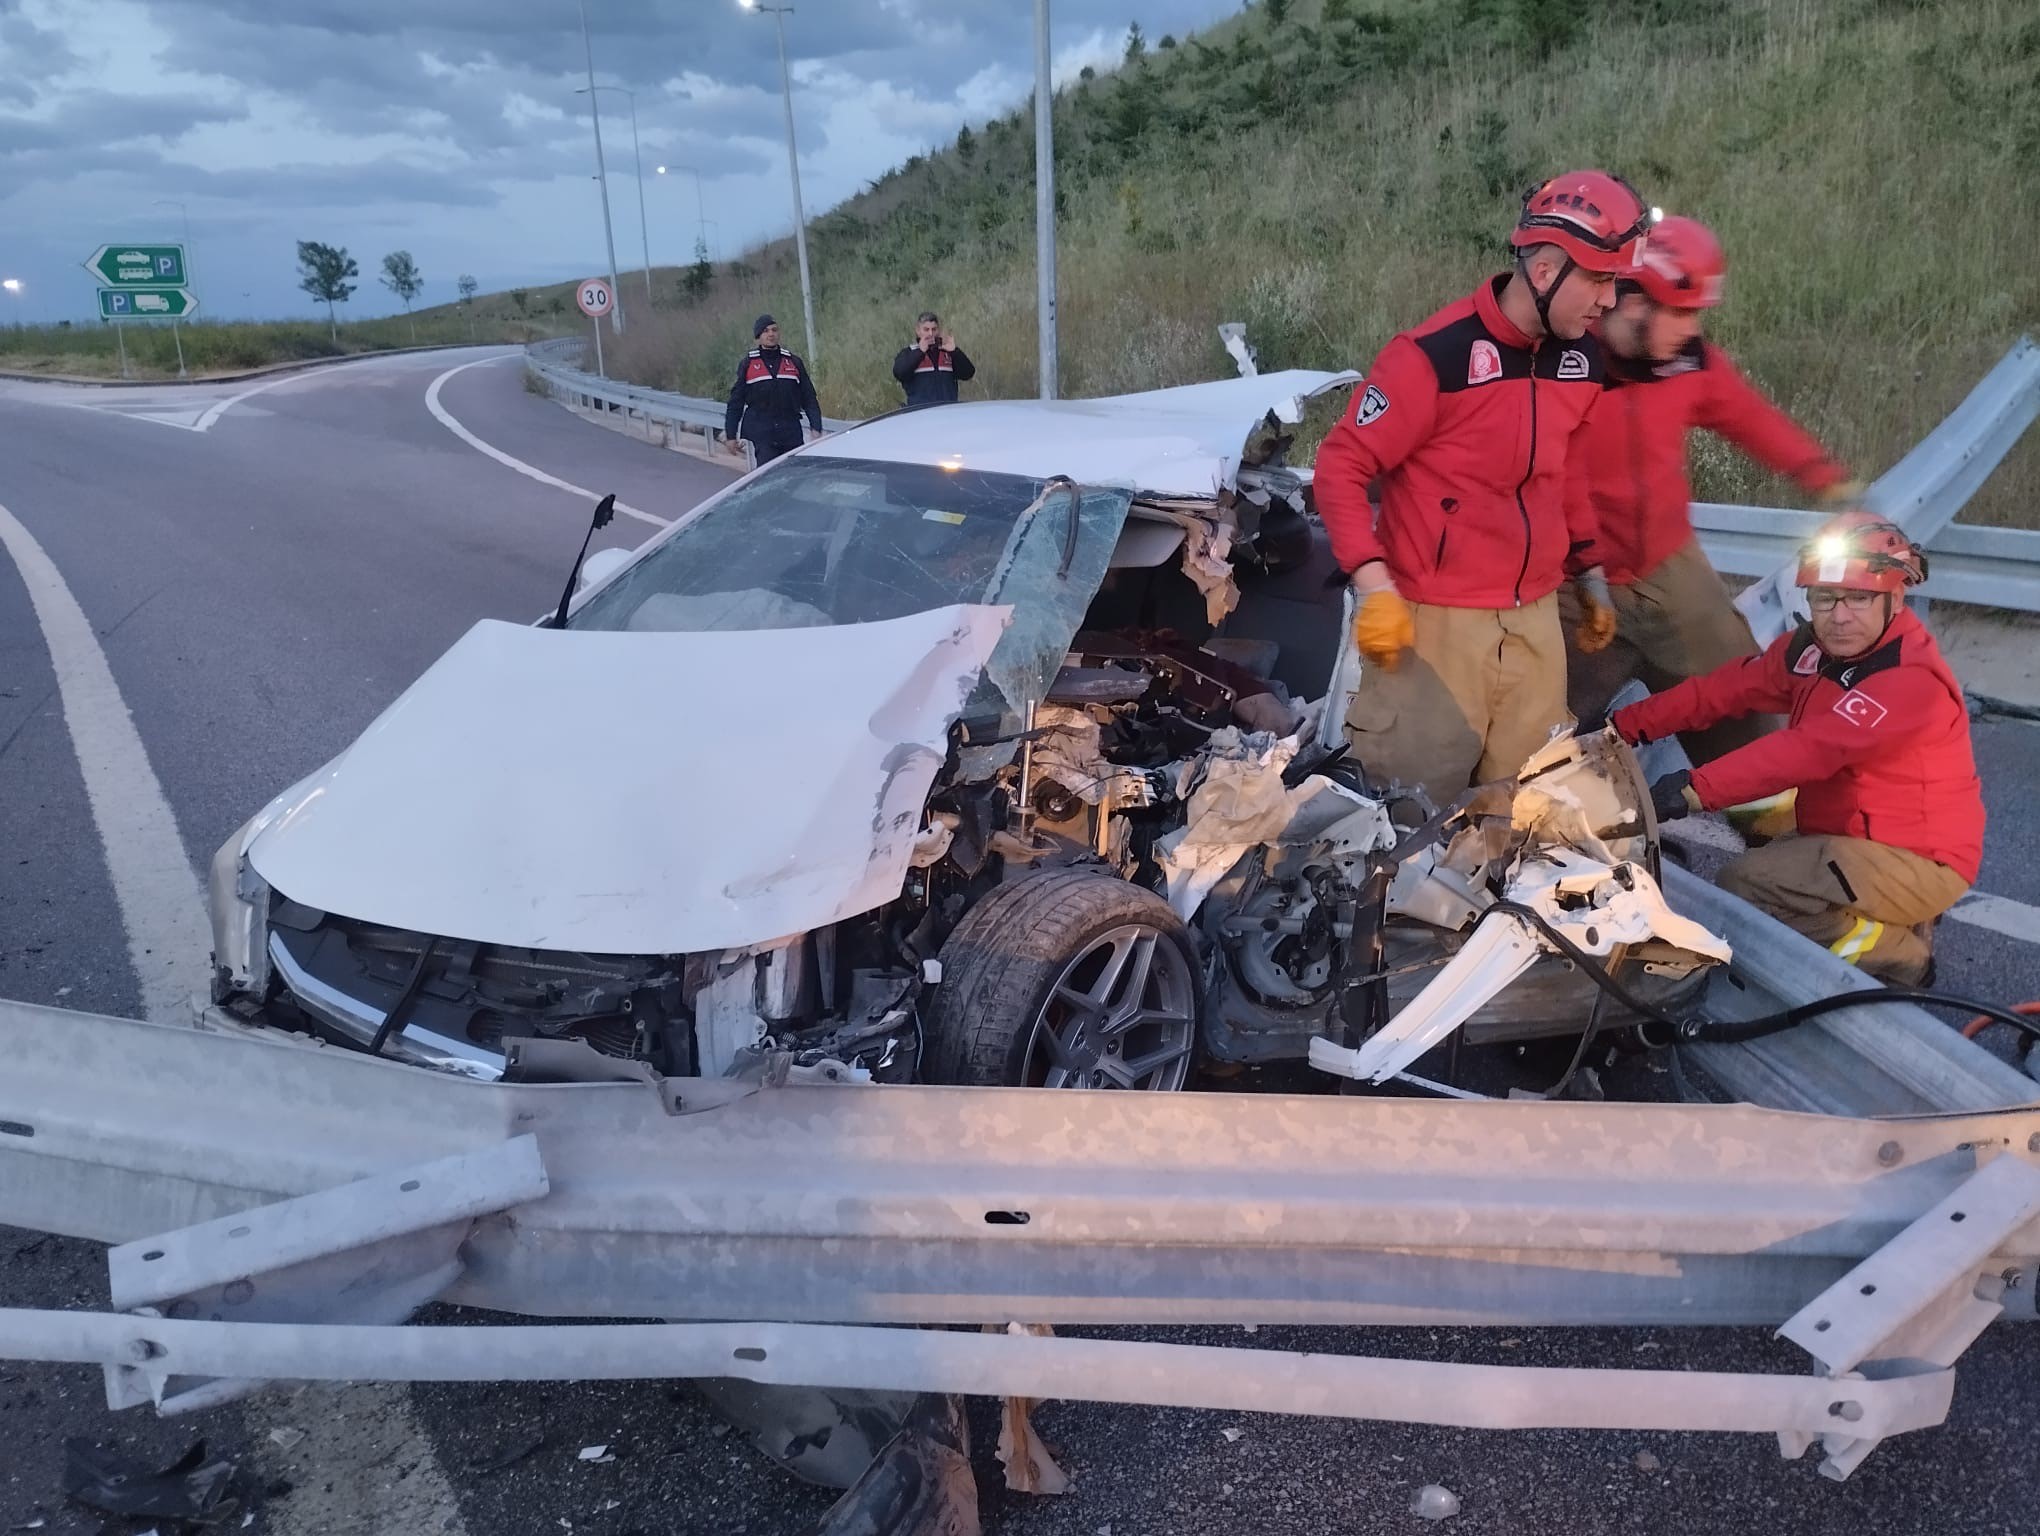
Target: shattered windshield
823 541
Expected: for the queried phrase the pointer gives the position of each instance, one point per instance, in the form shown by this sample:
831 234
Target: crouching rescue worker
1877 743
1664 379
772 393
1466 421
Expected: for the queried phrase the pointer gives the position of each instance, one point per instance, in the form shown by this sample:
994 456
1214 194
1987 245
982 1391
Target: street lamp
1044 205
175 335
807 293
588 90
601 175
700 204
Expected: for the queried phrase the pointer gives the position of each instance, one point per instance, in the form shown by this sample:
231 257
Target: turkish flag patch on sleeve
1860 709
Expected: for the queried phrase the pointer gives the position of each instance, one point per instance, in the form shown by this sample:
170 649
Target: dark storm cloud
105 117
29 55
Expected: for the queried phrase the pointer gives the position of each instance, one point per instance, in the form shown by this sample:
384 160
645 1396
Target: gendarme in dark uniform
771 395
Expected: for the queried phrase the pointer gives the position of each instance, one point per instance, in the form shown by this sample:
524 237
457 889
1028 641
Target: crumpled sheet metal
1207 561
1067 750
1239 802
1626 907
665 793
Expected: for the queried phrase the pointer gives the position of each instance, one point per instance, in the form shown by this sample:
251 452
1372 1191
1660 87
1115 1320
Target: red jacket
1466 423
1878 747
1629 462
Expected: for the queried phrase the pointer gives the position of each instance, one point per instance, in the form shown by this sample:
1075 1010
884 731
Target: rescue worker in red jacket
1664 378
771 395
1466 421
1877 743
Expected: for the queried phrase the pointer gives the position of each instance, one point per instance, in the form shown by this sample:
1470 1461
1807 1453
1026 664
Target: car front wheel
1067 979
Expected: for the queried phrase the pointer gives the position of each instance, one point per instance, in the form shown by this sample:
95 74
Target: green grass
215 347
1872 165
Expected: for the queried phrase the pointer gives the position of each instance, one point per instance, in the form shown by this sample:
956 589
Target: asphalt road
263 578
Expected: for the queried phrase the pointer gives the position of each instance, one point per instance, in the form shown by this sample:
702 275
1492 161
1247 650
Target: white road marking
446 420
206 421
2000 914
365 1439
161 904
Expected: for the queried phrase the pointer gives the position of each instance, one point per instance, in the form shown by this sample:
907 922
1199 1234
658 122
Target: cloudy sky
450 128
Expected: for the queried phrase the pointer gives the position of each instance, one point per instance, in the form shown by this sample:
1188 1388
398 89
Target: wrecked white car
994 744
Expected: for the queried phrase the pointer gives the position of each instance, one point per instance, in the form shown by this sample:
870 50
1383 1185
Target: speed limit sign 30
595 298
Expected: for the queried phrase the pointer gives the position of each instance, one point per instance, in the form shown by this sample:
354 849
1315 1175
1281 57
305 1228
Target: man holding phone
933 366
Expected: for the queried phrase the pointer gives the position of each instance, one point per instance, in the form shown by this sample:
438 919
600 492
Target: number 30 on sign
595 298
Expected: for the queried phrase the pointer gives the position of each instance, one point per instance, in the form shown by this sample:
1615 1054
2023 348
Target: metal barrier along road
281 1208
664 415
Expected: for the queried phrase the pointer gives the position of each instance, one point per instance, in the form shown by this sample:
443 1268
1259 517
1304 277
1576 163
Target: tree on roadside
695 280
1136 44
1277 12
400 276
522 300
467 286
323 271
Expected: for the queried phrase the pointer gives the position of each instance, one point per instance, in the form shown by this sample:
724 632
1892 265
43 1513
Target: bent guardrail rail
266 1191
1995 567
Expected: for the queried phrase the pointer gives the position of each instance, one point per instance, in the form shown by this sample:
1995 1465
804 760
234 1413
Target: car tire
1105 968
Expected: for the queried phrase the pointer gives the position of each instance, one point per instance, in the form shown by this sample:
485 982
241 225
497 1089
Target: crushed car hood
1185 441
636 793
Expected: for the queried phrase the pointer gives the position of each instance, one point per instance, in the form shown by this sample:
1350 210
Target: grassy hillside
1873 165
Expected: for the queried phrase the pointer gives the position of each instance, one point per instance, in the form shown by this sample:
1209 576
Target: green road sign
138 266
146 304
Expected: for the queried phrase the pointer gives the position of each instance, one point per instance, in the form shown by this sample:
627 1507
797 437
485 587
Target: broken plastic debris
190 1488
1434 1503
595 1453
1030 1468
1230 1434
286 1437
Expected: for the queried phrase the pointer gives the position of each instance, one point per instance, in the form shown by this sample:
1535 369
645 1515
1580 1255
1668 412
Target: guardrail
555 364
1995 567
1991 567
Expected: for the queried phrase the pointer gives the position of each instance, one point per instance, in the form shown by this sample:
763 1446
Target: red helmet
1682 266
1595 218
1861 552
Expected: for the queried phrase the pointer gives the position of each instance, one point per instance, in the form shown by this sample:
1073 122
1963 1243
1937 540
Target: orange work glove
1597 611
1384 627
1843 493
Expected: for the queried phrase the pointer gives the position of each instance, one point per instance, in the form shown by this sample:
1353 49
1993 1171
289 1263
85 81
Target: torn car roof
1164 442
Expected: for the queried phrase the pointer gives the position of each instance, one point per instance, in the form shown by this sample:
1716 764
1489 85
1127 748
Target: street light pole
807 292
602 175
176 335
700 203
1044 204
644 231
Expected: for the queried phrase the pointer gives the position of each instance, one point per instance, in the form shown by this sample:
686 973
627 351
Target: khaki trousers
1481 691
1870 903
1675 623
